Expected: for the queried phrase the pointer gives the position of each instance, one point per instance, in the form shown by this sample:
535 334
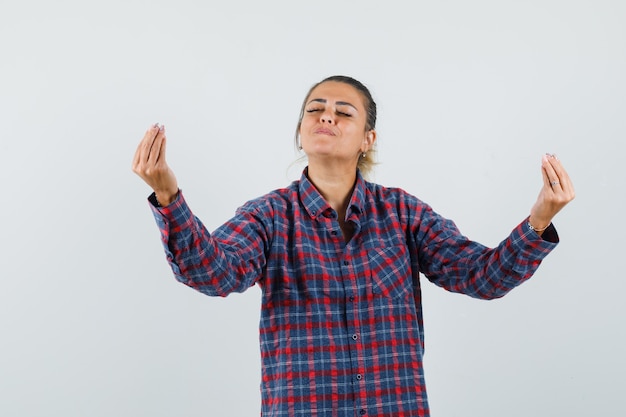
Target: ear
369 140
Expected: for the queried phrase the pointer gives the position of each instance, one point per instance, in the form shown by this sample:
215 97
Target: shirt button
351 298
346 263
334 233
355 336
359 377
362 412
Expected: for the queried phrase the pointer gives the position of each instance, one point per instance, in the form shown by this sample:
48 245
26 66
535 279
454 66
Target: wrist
538 225
165 198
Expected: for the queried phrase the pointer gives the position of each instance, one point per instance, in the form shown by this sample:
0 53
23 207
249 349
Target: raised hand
150 164
556 192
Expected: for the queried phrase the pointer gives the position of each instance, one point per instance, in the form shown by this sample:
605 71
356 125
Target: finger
563 176
567 182
146 142
157 131
554 181
544 176
155 147
141 147
556 164
162 148
549 174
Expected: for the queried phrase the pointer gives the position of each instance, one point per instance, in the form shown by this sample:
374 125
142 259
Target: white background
470 94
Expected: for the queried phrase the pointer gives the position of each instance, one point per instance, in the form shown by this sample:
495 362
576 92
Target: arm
230 260
452 261
215 266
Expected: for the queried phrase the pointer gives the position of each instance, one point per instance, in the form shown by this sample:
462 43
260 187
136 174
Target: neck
335 185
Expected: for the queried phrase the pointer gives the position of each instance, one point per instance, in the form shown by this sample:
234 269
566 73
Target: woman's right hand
150 164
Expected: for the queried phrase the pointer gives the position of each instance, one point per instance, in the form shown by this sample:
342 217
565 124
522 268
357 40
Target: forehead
332 91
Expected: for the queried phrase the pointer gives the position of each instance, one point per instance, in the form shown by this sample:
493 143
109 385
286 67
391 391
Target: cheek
306 124
308 119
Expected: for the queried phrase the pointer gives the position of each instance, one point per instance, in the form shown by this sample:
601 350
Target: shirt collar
315 204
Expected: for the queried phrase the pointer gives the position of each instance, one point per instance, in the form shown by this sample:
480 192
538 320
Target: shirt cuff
549 234
155 203
530 248
175 215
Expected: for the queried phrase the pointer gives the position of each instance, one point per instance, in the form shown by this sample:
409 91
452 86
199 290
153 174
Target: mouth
324 131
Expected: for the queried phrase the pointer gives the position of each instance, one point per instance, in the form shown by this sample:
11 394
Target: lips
324 131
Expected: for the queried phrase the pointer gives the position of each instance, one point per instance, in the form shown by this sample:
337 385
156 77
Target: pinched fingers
151 145
143 148
556 193
556 178
148 152
149 163
157 147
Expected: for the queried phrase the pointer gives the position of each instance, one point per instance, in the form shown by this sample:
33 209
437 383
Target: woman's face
333 125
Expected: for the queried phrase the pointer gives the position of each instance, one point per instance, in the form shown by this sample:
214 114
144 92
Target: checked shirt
341 328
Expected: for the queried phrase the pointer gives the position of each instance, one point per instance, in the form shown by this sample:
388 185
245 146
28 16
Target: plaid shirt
341 323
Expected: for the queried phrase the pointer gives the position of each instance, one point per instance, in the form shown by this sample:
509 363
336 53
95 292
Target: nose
327 117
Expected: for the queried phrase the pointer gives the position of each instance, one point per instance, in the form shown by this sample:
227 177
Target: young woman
338 260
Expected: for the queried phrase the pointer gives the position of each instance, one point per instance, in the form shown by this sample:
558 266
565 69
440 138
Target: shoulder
410 210
394 197
275 200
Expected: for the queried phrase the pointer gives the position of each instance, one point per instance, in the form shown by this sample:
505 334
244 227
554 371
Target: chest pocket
389 271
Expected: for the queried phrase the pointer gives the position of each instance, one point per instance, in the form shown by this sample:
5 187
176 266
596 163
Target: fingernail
162 128
155 125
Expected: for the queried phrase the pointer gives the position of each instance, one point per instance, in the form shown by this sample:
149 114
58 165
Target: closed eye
340 113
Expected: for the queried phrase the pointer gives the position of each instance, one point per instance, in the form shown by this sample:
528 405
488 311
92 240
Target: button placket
347 263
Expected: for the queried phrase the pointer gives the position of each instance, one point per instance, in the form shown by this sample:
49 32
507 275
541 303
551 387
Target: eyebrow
339 103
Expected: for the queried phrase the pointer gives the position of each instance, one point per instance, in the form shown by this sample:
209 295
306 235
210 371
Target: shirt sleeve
452 261
230 260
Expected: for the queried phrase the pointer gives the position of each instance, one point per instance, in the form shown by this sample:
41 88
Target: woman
338 261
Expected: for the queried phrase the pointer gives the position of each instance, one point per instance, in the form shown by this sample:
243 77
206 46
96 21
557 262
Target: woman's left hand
556 192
